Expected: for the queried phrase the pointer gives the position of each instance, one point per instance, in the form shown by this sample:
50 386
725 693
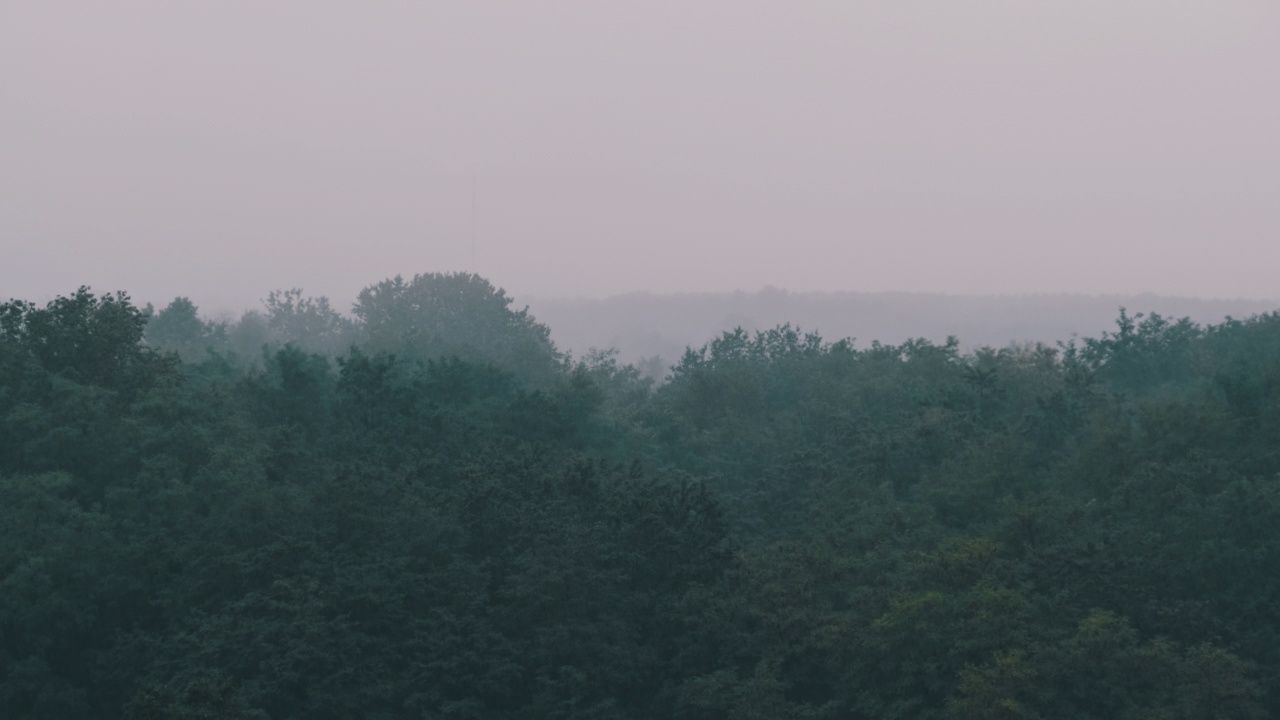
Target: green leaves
448 519
443 315
85 338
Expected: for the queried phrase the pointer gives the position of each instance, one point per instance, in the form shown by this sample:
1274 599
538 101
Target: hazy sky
219 149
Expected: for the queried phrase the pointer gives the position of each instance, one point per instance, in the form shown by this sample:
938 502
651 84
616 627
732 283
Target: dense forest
425 509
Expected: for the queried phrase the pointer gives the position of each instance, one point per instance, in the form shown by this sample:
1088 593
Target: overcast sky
220 149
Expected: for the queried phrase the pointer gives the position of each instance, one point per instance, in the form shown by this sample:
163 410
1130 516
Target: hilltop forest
424 509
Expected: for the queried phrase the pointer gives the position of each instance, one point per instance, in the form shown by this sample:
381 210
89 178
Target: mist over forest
427 509
642 326
653 330
666 360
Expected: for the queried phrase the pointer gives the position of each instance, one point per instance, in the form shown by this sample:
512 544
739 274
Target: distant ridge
642 325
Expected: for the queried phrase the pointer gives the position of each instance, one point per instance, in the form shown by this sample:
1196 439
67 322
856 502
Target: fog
220 150
653 331
490 359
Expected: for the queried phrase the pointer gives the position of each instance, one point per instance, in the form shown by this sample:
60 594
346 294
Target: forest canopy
424 509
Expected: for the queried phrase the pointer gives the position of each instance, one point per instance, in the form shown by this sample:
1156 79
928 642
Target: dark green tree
463 315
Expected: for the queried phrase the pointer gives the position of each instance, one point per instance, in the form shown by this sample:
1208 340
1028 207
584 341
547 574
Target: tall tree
439 315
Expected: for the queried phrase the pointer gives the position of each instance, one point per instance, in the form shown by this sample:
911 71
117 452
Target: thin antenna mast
473 224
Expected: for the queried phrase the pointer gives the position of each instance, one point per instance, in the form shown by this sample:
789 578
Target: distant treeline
644 326
427 510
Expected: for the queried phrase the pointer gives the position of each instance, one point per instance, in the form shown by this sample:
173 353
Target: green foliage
426 511
463 315
308 322
178 328
94 340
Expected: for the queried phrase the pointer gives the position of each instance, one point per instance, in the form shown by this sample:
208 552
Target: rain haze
600 360
219 150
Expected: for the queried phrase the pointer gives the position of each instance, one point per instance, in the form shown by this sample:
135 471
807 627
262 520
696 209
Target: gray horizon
222 150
